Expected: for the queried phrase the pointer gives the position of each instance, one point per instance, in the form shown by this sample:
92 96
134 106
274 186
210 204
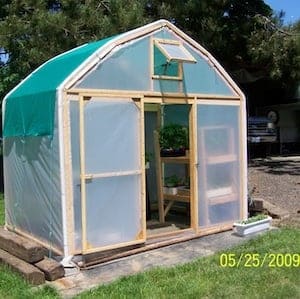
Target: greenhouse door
111 173
219 164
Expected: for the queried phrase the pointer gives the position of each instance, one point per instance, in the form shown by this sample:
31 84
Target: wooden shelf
219 159
176 160
177 197
166 201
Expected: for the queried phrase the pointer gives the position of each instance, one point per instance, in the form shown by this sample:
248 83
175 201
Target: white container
254 227
170 190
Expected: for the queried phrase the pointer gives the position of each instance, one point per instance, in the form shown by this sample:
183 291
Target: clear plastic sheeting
127 68
203 77
74 124
113 210
32 187
218 164
111 136
112 151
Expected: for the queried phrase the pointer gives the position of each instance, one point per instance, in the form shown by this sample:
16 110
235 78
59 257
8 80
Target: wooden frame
170 98
229 157
146 100
160 42
39 240
190 163
157 99
141 98
193 166
84 177
149 96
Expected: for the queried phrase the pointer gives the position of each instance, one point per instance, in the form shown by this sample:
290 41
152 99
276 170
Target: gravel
276 180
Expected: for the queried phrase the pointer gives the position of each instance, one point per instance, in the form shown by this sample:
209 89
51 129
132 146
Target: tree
276 49
32 31
241 34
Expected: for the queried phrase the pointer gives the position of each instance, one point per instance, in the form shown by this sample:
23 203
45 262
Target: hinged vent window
174 51
168 58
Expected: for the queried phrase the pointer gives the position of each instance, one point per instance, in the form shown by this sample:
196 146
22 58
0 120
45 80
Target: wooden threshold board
95 259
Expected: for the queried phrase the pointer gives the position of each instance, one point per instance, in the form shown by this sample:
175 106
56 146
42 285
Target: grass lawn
203 278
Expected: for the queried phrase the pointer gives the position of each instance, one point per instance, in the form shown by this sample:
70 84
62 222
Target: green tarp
29 109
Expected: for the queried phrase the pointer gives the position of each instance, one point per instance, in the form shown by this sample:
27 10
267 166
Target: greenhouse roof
39 89
29 109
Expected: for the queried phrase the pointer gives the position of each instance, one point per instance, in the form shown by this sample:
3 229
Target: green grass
203 278
12 286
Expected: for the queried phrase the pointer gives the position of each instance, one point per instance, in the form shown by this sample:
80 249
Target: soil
277 180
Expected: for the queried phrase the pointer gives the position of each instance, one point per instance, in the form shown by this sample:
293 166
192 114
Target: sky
290 7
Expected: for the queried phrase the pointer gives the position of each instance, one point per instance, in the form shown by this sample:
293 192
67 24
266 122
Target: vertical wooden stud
193 165
82 173
143 175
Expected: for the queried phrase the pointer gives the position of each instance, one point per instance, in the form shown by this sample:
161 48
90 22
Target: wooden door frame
141 237
192 102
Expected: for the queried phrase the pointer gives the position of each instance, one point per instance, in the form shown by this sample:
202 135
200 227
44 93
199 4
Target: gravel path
277 180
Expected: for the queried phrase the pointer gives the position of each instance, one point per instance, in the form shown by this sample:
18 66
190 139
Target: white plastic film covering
113 210
129 67
112 151
32 187
126 68
111 136
219 164
74 119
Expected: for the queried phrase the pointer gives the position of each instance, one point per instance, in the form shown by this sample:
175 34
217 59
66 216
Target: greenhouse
132 140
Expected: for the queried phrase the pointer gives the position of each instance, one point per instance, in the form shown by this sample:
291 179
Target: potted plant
173 140
252 225
170 185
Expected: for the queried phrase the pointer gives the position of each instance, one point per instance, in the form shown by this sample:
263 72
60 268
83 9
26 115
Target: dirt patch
277 180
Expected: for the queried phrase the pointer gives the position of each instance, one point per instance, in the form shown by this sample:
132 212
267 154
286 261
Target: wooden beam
143 174
193 165
90 176
82 173
159 178
41 241
52 269
21 247
30 273
113 93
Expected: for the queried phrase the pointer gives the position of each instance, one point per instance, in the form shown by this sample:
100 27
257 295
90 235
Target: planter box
254 227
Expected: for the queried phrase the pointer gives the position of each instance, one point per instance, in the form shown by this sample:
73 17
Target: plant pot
170 190
253 227
170 152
